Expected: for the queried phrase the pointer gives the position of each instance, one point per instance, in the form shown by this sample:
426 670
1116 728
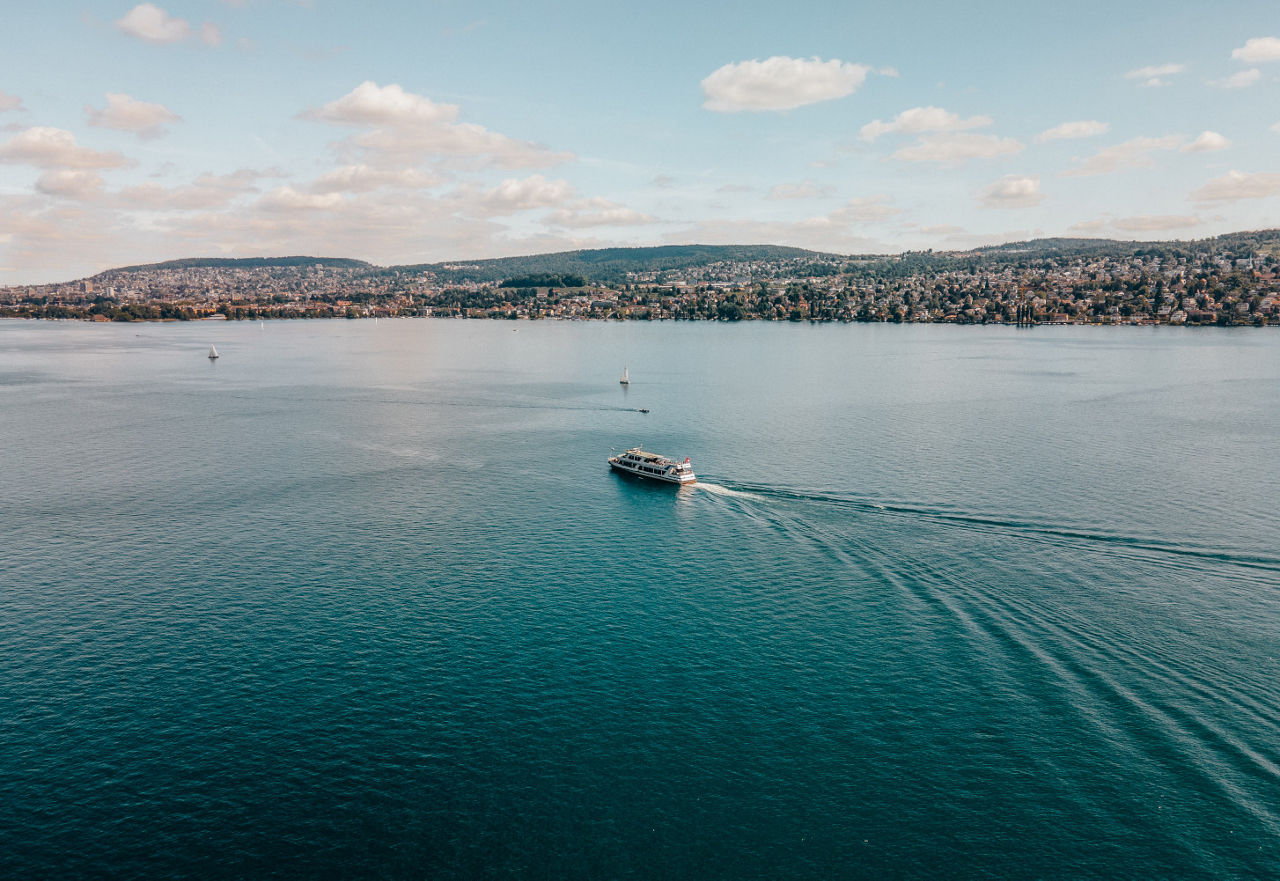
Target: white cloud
938 229
1085 128
9 102
1236 185
365 179
153 197
955 148
595 212
1155 222
80 185
410 128
370 104
922 119
242 180
780 83
1258 49
1207 142
865 209
127 114
1135 153
287 199
1013 191
149 22
535 191
466 142
1241 80
1153 75
1274 127
803 190
1089 227
56 148
210 34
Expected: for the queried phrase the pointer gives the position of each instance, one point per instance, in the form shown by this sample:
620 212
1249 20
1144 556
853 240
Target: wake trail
1027 528
719 490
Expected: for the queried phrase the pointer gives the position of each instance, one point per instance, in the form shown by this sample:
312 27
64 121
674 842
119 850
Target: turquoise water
363 600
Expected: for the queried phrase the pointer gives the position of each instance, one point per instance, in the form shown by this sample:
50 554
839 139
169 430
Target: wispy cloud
128 114
405 129
1085 128
596 212
361 178
1240 80
525 194
955 148
1207 142
56 148
1013 191
1237 185
780 83
803 190
918 120
77 185
1135 153
1155 222
1154 75
865 209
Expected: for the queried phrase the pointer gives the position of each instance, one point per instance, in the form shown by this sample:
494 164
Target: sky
410 132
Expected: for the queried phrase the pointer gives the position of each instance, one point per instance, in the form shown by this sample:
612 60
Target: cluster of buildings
1161 285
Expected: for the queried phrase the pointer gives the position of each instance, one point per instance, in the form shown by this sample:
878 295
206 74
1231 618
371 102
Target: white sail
213 353
626 380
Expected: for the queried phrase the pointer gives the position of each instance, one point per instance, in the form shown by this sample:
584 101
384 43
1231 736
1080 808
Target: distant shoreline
601 320
1226 281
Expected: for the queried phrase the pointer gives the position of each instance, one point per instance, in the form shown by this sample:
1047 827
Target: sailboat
213 354
626 380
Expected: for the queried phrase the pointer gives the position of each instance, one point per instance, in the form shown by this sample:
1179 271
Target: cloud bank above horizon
264 129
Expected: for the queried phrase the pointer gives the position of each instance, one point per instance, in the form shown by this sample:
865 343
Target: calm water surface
362 600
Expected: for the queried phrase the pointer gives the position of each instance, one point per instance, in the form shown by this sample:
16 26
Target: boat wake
1029 529
718 490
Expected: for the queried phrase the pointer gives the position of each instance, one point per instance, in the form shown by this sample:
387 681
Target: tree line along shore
1227 281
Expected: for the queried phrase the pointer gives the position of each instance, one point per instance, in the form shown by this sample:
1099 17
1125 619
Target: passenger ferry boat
653 467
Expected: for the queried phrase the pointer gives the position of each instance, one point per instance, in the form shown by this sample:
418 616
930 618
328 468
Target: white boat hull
651 467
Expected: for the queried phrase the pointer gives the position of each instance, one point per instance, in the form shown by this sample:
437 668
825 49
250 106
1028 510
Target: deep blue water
362 600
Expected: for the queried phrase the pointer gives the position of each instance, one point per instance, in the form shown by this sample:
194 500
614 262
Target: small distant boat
213 354
626 380
643 410
654 467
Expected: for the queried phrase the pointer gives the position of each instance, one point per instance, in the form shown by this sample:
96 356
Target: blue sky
411 132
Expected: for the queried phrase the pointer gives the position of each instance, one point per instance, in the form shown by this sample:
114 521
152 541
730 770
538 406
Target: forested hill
247 263
608 264
1236 243
617 265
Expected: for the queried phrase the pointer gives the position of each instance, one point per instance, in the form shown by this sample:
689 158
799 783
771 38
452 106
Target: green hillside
607 264
247 263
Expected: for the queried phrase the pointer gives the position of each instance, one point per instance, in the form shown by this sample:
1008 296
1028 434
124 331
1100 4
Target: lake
362 599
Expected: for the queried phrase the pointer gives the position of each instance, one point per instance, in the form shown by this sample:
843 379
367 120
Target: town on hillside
1229 280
